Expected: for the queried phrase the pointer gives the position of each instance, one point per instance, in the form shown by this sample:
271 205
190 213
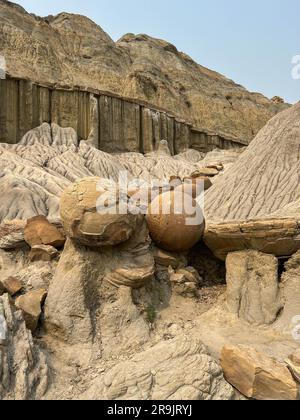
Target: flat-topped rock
255 203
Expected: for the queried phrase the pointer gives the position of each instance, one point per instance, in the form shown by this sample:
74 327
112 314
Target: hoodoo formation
149 222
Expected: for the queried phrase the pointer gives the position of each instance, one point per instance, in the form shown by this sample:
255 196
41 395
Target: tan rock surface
178 369
91 211
255 203
24 373
11 285
256 375
135 66
31 306
12 234
185 282
175 221
289 322
165 259
42 253
83 307
83 274
253 292
48 160
39 231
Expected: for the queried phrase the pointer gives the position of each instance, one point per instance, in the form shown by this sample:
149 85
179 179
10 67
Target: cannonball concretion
175 220
92 213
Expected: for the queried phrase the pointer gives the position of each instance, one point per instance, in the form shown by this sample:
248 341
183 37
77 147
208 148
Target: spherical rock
175 221
92 212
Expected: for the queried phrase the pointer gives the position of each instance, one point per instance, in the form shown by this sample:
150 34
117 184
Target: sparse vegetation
151 314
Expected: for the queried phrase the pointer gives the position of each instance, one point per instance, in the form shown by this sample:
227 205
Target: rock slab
256 375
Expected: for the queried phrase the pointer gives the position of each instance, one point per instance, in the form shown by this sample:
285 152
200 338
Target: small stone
31 306
185 282
39 231
218 166
42 253
164 258
210 172
256 375
10 285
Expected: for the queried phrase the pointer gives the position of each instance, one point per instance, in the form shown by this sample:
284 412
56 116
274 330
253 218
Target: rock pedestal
252 287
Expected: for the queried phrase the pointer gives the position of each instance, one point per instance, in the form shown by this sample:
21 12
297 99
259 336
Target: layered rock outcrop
71 50
255 204
191 375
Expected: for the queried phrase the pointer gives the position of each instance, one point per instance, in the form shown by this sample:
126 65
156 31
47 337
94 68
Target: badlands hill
71 50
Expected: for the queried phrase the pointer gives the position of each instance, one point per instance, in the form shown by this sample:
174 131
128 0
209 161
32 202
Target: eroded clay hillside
72 50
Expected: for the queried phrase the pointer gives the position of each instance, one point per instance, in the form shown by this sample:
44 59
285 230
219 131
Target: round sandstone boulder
94 213
175 221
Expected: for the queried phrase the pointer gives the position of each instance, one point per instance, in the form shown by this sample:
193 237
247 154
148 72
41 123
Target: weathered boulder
256 375
31 306
39 231
178 369
175 221
10 285
24 373
254 204
253 292
42 253
93 213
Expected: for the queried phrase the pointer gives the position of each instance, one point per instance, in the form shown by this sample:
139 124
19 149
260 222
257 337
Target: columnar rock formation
112 123
70 50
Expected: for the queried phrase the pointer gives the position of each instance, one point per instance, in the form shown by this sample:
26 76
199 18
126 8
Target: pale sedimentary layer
255 203
48 159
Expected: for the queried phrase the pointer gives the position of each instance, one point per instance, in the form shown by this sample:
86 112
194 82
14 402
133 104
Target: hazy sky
250 41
